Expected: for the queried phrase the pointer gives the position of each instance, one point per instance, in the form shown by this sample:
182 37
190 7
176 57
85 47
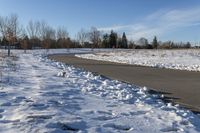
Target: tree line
39 34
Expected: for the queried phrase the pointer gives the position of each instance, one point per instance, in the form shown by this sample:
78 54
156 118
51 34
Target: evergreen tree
155 43
124 41
188 45
113 39
119 42
105 42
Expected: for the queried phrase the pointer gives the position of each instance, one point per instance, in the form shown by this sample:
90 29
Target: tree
24 43
62 33
188 45
113 39
10 29
4 42
119 42
124 41
143 42
94 36
105 42
62 37
33 30
82 37
47 34
155 43
3 26
131 45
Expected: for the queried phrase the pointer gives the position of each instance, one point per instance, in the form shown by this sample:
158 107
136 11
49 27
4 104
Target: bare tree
62 33
10 29
46 31
82 36
24 43
33 29
42 30
63 37
47 34
3 26
95 37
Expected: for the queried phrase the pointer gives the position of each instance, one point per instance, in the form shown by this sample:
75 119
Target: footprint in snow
55 103
103 118
53 93
114 105
3 94
88 112
18 99
9 121
185 122
39 106
171 129
6 104
118 127
104 112
139 113
2 110
38 118
73 126
104 115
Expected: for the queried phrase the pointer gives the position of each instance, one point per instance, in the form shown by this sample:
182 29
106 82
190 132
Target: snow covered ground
45 52
40 95
172 59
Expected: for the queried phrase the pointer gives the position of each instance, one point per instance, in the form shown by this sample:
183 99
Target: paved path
181 86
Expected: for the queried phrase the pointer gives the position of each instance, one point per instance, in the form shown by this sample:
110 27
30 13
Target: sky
176 20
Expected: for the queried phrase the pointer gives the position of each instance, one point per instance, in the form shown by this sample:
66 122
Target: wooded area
39 34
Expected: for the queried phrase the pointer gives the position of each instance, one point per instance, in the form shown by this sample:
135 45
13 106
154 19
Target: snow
45 52
172 59
42 95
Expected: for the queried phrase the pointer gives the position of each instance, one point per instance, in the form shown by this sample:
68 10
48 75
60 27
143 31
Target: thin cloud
159 23
115 27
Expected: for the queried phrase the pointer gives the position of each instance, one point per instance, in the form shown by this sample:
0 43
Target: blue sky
177 20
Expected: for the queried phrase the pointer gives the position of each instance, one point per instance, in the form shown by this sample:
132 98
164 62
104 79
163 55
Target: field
172 59
41 95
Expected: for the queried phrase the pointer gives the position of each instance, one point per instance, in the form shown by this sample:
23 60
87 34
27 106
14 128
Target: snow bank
46 52
171 59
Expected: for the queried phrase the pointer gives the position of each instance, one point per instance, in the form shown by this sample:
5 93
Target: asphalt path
182 87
